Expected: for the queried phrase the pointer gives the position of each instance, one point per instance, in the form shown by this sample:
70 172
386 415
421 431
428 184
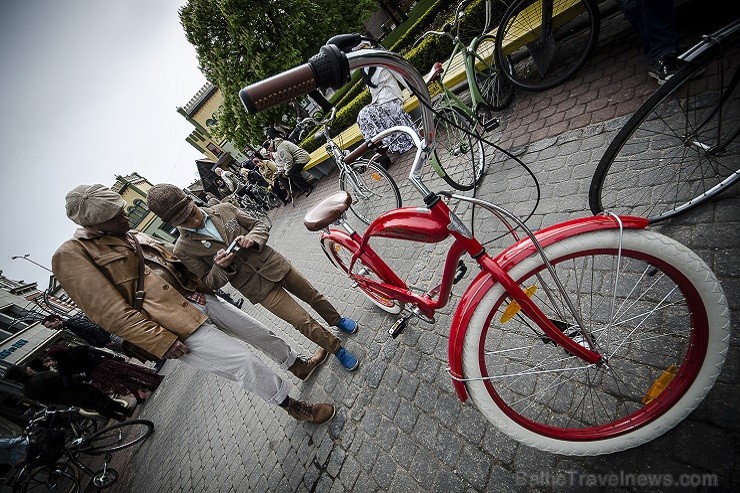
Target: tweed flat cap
170 203
93 204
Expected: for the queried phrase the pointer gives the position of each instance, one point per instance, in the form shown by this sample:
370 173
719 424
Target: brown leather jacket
100 272
255 270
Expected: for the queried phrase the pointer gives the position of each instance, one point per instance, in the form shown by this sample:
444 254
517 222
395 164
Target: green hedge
352 97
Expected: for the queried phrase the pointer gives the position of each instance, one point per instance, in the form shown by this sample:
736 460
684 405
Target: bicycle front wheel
496 89
340 256
117 437
679 149
372 189
58 478
459 149
534 58
657 313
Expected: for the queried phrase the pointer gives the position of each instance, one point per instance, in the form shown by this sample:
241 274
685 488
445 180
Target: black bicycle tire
476 174
373 167
516 76
74 483
504 86
623 137
86 447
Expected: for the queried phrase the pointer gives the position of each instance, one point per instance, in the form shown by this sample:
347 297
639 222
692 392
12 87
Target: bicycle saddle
327 211
434 74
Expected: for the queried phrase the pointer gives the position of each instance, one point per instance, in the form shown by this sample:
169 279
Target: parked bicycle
458 122
58 445
681 147
542 43
588 337
250 207
302 129
372 188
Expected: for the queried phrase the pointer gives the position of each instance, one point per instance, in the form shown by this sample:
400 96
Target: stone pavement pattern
399 425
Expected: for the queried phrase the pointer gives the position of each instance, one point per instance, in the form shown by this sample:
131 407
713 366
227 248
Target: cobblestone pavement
399 425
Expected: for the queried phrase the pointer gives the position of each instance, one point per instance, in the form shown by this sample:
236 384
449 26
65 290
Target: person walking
257 271
47 387
91 333
105 371
96 336
133 286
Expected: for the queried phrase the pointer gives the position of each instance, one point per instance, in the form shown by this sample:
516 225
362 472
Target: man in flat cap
133 286
257 271
290 159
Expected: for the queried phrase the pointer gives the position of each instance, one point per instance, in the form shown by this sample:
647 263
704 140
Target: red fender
507 259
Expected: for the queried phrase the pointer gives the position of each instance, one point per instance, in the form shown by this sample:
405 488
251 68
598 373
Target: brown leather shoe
303 368
318 413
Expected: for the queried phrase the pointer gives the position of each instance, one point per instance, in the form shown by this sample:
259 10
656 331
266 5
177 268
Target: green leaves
239 42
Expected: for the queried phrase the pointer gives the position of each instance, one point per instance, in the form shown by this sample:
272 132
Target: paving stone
399 425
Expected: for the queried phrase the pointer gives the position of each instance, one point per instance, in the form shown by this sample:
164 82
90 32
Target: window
214 149
137 212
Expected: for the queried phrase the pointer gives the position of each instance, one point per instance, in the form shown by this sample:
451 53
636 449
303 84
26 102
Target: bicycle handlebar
331 68
323 70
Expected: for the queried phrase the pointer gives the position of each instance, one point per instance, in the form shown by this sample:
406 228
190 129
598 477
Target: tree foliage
239 42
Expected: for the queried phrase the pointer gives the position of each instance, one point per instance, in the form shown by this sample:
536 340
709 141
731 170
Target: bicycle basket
45 445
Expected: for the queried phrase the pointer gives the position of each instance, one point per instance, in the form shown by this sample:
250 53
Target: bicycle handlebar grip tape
328 68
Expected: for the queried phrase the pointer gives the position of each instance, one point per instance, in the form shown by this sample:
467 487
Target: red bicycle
588 337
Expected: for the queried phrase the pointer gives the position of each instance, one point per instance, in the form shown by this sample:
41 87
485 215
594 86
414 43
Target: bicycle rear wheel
372 189
540 61
340 256
116 437
495 88
459 151
659 315
679 149
57 478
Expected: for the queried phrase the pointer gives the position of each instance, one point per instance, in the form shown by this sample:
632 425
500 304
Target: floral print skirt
375 118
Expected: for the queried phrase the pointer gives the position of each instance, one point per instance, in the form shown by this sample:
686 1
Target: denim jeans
654 21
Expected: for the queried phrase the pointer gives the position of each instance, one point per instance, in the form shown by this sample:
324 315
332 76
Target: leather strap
139 296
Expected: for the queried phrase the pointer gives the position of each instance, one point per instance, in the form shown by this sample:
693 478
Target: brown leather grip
278 89
352 156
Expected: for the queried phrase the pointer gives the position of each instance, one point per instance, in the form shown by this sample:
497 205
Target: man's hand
244 242
176 350
223 259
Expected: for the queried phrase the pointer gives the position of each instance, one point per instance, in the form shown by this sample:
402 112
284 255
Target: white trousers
214 348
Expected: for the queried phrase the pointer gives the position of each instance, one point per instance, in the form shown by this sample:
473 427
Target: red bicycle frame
434 225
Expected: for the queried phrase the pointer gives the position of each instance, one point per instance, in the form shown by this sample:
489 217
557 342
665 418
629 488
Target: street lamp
27 257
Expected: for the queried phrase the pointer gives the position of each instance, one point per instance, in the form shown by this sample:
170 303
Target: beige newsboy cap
93 204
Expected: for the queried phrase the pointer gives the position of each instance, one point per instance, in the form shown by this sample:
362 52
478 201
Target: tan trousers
282 304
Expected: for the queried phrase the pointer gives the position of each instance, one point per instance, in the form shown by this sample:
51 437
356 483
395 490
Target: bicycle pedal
397 327
460 272
491 124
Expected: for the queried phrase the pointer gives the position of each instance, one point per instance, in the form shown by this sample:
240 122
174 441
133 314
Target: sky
89 89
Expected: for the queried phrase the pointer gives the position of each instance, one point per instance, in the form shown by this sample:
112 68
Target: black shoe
664 69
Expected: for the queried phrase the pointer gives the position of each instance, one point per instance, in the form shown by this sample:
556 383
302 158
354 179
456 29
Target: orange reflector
514 307
660 385
375 176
